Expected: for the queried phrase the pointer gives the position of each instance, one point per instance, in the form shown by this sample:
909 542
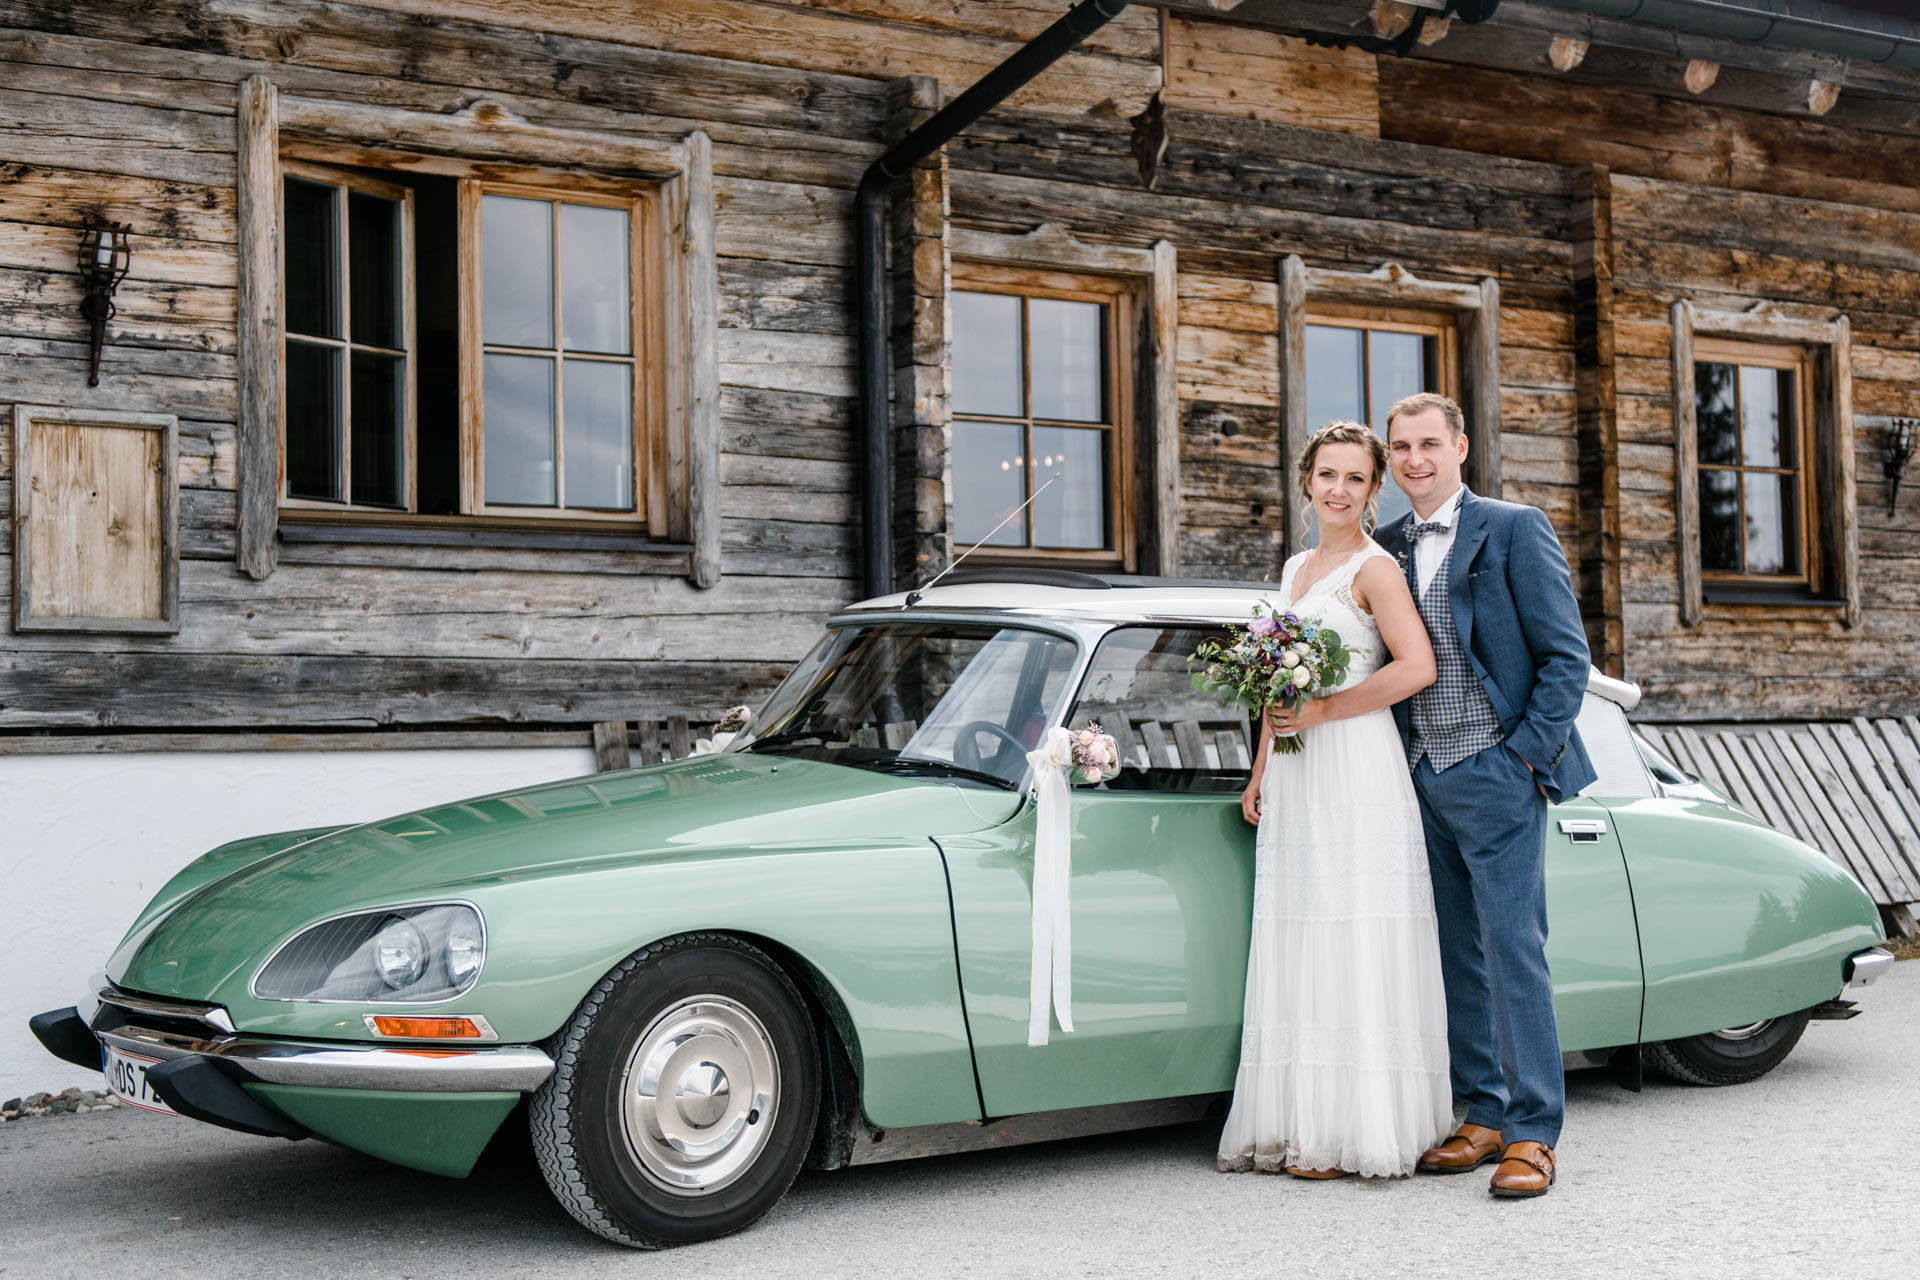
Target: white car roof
1122 600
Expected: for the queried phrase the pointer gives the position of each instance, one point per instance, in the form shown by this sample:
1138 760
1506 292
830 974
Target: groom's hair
1420 402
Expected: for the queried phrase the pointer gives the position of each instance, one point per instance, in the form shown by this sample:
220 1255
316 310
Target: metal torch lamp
105 257
1896 451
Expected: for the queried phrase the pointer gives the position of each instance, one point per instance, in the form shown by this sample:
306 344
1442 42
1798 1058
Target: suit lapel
1394 535
1470 533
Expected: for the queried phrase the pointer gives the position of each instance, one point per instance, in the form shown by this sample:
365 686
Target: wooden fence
1849 789
621 744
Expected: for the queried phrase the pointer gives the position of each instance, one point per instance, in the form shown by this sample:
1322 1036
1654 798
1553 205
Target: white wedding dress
1343 1056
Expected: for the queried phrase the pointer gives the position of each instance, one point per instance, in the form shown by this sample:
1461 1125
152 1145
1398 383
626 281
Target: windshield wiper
791 738
920 764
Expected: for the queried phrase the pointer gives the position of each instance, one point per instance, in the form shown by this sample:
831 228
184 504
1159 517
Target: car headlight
419 953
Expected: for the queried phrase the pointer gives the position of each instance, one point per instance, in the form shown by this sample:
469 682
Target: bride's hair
1347 433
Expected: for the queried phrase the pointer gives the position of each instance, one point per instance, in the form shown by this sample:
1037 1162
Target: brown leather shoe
1469 1148
1525 1171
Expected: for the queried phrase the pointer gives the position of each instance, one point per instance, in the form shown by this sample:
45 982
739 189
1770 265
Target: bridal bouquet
1277 660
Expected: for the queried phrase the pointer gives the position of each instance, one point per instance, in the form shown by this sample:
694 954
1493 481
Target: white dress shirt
1430 552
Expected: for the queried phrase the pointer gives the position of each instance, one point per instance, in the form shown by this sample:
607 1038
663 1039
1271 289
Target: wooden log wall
1275 148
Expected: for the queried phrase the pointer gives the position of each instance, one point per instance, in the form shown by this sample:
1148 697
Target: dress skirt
1343 1053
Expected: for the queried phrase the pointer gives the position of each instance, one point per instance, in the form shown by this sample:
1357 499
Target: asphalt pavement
1813 1170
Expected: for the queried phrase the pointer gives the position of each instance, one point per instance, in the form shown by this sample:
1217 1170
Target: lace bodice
1330 603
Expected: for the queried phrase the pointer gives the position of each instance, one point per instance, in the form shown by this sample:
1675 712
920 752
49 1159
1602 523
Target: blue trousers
1486 826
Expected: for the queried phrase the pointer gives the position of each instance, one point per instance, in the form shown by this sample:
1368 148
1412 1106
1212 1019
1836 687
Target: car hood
203 928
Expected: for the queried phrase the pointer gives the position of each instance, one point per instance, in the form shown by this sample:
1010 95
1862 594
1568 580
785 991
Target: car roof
1116 598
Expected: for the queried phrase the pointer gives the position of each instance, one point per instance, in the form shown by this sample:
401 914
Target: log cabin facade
484 365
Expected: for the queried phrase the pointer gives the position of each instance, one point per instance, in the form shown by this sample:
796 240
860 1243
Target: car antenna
913 596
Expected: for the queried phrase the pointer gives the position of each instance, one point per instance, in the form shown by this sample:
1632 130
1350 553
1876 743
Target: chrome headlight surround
420 953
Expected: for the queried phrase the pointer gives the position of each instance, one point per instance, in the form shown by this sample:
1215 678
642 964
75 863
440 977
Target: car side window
1172 738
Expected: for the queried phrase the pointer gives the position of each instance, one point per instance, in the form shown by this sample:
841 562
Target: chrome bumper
167 1030
1864 966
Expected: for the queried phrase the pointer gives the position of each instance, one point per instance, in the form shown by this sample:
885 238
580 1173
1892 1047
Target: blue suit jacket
1513 605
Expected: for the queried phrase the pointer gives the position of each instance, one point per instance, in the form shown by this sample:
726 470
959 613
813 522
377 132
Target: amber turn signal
460 1028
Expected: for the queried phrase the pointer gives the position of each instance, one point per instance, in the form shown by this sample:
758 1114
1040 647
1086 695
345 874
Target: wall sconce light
1896 451
104 259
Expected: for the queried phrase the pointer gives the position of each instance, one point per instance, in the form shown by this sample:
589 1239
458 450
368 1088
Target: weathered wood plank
1160 752
1874 863
1902 793
1843 841
1903 841
1759 787
258 432
1800 821
150 688
610 746
1231 69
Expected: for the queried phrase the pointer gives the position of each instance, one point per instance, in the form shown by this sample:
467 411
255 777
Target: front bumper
176 1029
1864 966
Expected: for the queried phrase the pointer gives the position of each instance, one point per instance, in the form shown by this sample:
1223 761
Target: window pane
594 276
312 251
1073 513
374 257
1334 375
519 429
1719 522
989 480
516 238
313 421
1068 359
986 354
1403 364
1142 674
1766 401
379 432
1713 413
1773 523
599 400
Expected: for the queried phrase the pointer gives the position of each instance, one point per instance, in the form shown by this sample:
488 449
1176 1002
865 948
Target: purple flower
1262 627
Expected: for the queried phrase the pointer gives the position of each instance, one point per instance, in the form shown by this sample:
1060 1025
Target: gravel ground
1811 1171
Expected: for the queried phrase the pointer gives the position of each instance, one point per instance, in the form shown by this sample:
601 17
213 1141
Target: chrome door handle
1583 830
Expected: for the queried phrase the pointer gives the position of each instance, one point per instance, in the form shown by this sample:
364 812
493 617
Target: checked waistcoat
1451 718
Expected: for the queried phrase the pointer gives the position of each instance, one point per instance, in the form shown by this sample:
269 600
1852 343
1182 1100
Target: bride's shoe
1317 1174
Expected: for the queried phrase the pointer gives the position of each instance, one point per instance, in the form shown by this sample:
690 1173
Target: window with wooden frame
1754 454
1359 360
347 350
483 348
1042 405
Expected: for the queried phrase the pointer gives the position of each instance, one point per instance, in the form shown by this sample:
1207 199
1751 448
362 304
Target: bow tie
1430 526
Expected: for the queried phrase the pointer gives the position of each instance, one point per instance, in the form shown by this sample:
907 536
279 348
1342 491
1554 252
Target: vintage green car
814 946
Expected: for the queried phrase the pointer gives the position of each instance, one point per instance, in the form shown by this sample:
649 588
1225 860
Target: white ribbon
1052 761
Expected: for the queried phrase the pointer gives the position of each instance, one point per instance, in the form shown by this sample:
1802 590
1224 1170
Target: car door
1161 896
1593 940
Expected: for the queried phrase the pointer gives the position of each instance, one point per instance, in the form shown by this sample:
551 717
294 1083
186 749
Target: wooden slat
610 750
1759 786
1702 766
1233 750
1159 750
679 737
1837 841
1900 784
1870 855
259 327
649 742
1904 747
1731 780
1192 743
1903 839
1760 757
1132 754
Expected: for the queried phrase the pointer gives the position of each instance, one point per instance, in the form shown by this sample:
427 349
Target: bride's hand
1250 803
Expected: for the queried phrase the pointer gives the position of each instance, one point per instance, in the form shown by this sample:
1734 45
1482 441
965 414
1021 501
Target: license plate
127 1079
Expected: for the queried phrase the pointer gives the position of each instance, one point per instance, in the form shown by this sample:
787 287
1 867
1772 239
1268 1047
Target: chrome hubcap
698 1095
1747 1032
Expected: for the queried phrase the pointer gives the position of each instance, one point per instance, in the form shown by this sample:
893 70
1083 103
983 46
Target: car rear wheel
1733 1056
683 1095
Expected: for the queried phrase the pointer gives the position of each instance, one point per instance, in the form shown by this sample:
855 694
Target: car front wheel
1733 1056
683 1094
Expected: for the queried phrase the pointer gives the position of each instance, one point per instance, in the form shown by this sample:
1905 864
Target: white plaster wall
86 840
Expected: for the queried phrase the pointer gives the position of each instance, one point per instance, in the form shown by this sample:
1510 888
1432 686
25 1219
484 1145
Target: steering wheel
966 747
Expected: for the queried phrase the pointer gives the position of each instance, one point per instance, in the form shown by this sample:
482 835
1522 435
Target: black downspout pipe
870 261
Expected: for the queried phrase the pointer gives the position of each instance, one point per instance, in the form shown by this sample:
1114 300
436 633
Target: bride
1343 1058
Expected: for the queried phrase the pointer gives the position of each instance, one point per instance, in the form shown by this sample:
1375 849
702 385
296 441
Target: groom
1490 742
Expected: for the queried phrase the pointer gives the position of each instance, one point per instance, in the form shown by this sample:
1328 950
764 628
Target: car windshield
963 701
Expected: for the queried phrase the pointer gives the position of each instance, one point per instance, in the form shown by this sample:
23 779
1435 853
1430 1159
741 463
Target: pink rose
1093 775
